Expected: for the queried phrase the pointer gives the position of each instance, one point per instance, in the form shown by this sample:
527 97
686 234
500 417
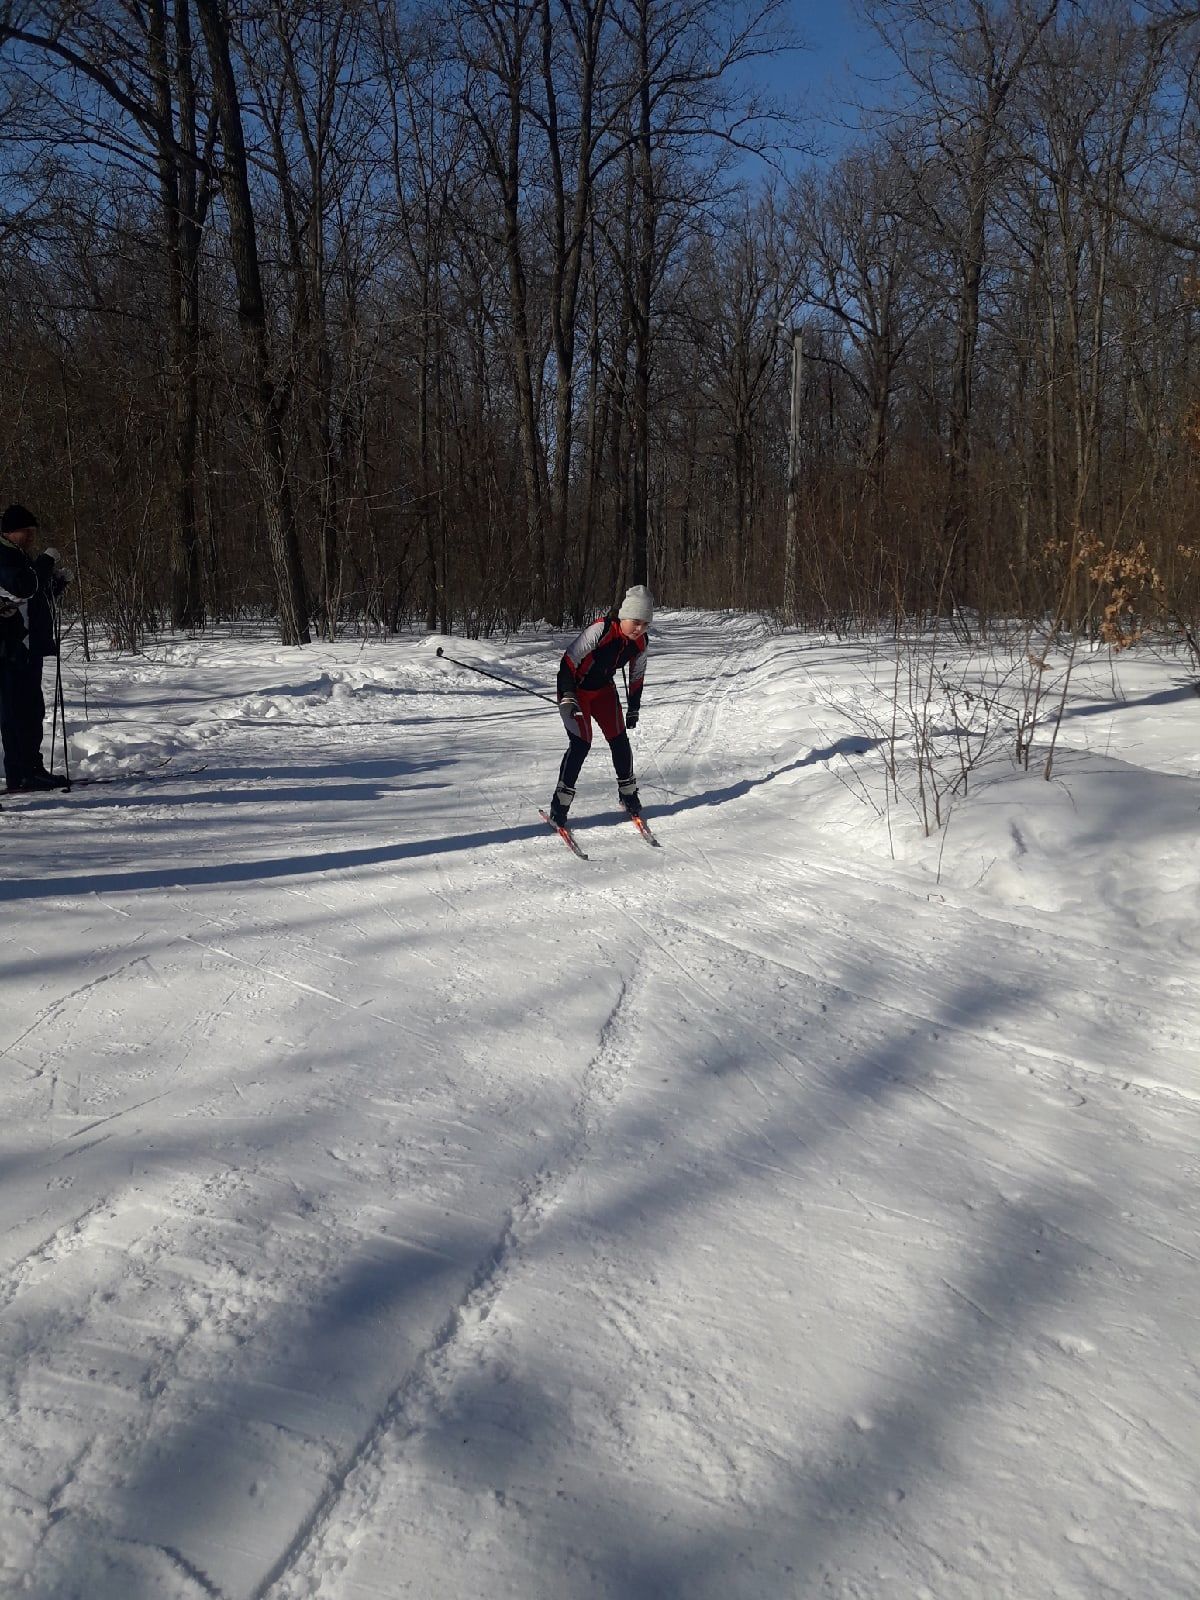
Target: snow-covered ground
393 1205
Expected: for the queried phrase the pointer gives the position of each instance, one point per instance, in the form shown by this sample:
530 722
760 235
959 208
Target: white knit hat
639 602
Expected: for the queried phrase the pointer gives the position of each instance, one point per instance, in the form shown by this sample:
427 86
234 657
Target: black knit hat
15 517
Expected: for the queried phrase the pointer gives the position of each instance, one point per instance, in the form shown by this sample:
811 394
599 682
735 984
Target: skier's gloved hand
62 574
631 717
568 710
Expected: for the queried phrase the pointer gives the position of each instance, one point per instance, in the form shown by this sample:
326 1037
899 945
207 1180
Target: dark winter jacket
598 654
28 589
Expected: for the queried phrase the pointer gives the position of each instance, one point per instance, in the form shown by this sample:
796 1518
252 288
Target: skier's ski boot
627 789
560 805
49 780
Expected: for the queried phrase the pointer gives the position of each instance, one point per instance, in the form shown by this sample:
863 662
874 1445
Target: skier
586 690
29 591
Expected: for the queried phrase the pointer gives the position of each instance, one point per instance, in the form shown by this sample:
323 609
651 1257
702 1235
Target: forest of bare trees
352 313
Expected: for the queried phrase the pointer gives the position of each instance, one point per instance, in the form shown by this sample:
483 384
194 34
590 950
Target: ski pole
60 704
54 720
57 672
467 667
62 707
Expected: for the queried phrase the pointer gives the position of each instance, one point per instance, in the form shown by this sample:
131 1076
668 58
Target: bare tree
268 400
741 285
964 59
141 63
498 44
865 273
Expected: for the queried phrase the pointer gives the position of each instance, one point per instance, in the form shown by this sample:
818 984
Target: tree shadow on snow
851 745
254 793
1162 697
493 1433
501 1430
223 872
496 1431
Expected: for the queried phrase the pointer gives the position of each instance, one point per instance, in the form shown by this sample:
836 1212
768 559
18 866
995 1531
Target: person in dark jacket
29 590
586 690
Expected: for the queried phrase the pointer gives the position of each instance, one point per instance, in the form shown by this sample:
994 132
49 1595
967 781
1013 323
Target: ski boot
561 805
49 780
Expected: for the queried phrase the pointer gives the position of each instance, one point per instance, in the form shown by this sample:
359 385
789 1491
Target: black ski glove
568 710
631 717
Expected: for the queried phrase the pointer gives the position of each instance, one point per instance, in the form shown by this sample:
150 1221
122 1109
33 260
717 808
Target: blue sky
836 36
824 76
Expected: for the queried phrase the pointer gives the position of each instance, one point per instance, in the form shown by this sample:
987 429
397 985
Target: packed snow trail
393 1204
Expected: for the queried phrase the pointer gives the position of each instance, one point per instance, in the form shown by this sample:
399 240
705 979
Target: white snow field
393 1205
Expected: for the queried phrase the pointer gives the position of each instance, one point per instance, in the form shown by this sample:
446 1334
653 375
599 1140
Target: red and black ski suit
586 675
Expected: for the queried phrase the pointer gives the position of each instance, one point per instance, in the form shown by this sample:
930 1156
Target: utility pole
793 486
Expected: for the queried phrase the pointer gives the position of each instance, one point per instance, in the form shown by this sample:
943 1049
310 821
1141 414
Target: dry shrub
1127 585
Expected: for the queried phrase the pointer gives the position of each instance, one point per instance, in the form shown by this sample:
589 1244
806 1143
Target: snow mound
111 748
1103 836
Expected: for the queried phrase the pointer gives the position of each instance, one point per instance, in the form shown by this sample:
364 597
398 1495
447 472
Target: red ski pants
604 706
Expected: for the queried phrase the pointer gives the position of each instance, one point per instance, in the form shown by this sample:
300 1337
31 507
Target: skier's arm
637 678
52 575
18 578
577 658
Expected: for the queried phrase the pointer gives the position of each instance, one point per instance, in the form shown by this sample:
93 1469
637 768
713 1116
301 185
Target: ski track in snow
392 1204
320 1552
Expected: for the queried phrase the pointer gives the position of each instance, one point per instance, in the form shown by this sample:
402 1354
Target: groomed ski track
395 1205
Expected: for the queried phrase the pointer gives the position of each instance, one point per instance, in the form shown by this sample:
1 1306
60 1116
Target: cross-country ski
643 827
565 834
107 779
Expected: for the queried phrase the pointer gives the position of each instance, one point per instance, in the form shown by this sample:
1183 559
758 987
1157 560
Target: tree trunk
181 210
252 318
639 416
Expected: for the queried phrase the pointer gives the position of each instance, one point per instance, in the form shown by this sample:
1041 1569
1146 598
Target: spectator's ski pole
60 705
62 709
54 719
467 667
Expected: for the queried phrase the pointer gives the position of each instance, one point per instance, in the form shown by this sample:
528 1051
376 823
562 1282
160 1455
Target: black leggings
22 714
577 754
